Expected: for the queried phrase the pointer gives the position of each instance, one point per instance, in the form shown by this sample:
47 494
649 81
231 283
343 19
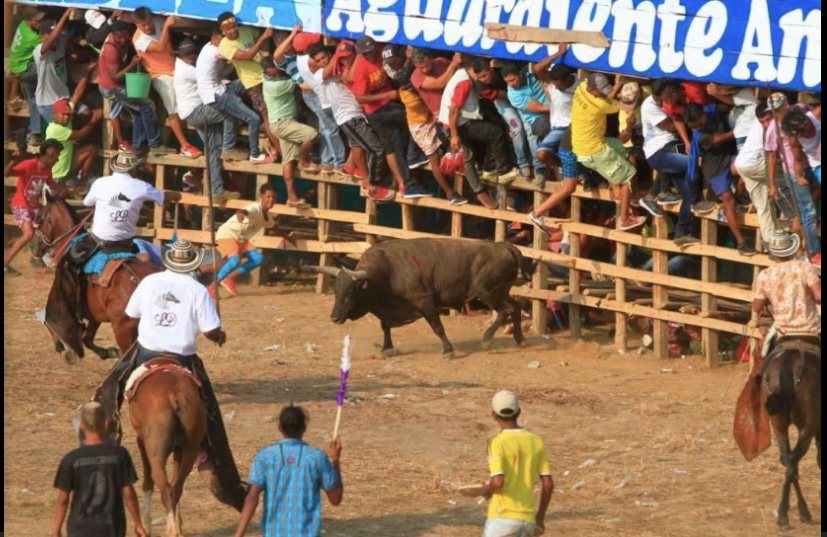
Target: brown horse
169 418
792 390
57 224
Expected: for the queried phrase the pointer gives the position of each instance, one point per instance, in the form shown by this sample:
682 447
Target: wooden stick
212 226
338 422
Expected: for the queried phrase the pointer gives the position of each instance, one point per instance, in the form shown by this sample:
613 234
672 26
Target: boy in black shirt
712 152
99 478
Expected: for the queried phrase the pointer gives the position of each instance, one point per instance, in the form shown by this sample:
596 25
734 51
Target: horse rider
172 308
792 287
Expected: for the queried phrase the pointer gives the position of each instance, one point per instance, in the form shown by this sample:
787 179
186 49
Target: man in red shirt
385 113
31 175
432 75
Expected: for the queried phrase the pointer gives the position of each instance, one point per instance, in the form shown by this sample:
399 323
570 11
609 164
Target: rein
49 244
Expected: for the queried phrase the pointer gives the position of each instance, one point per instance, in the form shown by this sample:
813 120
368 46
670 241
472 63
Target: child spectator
296 139
592 102
50 60
561 81
73 159
711 153
98 478
23 69
32 175
242 46
153 44
112 71
234 236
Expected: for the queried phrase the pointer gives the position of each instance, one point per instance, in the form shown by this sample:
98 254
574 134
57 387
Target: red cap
303 41
62 106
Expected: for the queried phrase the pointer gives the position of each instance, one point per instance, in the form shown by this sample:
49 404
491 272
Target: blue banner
742 42
276 13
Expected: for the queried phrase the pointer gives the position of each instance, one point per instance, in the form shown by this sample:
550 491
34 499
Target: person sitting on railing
112 70
711 155
593 101
23 71
73 159
792 287
50 61
32 175
153 43
561 81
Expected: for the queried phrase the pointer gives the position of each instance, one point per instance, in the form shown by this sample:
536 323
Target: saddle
802 343
156 365
104 279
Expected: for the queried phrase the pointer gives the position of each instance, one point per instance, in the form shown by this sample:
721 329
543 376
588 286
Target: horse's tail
780 399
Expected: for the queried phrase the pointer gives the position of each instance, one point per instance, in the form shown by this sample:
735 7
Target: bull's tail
518 257
780 399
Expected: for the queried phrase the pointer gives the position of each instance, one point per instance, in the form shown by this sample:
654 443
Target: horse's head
54 223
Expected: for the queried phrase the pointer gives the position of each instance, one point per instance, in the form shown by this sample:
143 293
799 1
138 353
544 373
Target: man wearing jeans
660 140
22 67
517 458
207 120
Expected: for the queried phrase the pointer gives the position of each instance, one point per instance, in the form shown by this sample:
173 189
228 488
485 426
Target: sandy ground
635 452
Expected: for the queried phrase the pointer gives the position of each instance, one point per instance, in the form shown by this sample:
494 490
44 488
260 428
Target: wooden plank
709 273
260 275
539 311
545 36
275 243
325 260
575 326
158 213
500 232
456 218
660 329
621 320
338 216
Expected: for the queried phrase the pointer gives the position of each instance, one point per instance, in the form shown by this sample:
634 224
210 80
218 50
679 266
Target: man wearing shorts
594 100
153 44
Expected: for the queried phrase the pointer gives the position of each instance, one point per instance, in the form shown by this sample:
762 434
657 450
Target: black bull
404 280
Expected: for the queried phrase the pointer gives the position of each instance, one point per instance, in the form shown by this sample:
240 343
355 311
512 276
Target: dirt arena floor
635 452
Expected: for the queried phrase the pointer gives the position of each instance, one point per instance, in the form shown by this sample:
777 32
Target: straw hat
629 96
125 161
783 244
182 257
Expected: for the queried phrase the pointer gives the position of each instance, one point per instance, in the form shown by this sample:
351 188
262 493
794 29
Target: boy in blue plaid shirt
292 475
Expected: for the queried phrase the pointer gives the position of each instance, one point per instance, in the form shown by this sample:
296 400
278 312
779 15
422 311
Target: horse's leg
818 447
148 487
781 427
184 462
805 438
89 341
158 448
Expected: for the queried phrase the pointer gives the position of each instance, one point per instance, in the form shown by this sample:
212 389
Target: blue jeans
145 128
391 124
533 145
333 148
807 211
674 165
680 265
28 88
552 140
231 105
210 123
145 355
515 129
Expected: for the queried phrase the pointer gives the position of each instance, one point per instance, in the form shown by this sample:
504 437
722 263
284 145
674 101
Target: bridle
45 217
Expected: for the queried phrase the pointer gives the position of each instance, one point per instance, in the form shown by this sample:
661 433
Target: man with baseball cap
516 459
73 159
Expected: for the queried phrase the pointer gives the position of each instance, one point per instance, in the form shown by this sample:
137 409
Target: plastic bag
452 163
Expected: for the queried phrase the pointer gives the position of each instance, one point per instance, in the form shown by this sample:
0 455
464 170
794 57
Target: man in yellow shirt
516 459
593 101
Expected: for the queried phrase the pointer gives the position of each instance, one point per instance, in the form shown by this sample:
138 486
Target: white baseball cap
505 404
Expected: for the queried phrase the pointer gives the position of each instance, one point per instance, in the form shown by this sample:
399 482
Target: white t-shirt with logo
560 114
185 82
52 80
117 200
812 146
247 229
654 137
333 91
752 156
172 308
208 73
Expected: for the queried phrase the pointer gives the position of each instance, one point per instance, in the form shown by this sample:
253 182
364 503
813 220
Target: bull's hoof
522 343
806 518
390 353
112 352
70 357
784 523
448 355
487 345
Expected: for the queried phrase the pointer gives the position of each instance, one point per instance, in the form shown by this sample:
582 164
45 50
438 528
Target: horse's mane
72 212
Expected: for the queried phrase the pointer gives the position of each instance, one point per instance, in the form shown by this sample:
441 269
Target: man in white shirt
50 60
209 122
561 81
226 98
751 164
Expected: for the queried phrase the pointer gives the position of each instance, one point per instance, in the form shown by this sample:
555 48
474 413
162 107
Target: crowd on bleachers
379 113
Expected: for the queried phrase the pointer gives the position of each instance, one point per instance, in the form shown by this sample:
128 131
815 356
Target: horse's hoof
390 353
448 355
70 357
784 523
806 518
113 352
487 345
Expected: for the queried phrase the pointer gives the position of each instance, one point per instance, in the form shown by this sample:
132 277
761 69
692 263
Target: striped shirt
290 67
292 475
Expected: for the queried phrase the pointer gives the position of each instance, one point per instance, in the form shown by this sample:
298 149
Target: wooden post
259 276
408 218
456 218
621 319
660 296
709 273
326 259
502 200
574 274
539 311
370 211
158 216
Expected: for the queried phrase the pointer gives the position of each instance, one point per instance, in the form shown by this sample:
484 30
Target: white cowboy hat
125 161
182 257
783 244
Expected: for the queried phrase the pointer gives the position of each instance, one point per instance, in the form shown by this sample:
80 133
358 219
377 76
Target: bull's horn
357 275
330 271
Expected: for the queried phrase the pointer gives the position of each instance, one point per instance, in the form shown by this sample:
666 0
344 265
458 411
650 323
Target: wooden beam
544 36
539 311
709 273
660 264
575 326
275 243
321 214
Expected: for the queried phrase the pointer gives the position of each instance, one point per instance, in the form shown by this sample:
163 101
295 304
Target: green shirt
62 133
280 99
22 48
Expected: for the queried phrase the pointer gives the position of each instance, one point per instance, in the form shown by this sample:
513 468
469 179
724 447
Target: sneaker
415 192
686 240
632 222
261 159
9 271
539 180
537 221
704 207
230 286
380 193
418 162
488 175
525 173
508 177
457 200
161 150
651 206
816 260
211 291
34 139
225 196
670 198
190 151
746 249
